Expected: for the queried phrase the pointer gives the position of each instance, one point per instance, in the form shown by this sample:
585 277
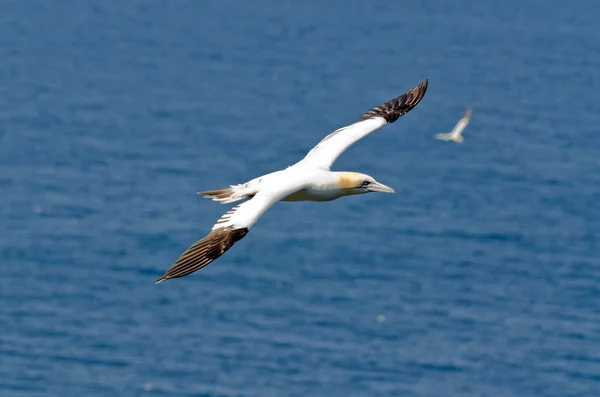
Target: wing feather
462 124
333 145
229 229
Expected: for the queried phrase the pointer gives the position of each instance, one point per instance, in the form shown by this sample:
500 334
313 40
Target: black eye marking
364 183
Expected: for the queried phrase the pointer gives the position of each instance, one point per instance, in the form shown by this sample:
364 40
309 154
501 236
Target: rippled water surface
480 277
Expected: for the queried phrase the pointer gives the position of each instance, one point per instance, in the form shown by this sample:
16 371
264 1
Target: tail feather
217 193
227 195
449 137
443 137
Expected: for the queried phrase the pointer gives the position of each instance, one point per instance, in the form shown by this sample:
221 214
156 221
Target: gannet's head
355 183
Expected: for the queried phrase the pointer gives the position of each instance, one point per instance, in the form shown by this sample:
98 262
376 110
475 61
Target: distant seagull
456 134
308 180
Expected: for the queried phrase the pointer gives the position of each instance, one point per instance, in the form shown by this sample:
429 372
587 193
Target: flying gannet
310 179
456 134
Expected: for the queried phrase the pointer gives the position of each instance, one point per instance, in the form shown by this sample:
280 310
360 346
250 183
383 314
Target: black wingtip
204 252
397 107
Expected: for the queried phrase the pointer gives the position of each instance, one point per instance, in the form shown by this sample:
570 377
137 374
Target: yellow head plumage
351 180
357 183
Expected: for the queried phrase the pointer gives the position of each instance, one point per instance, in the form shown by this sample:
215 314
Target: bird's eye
365 183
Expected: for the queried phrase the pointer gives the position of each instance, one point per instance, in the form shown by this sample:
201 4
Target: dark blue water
480 277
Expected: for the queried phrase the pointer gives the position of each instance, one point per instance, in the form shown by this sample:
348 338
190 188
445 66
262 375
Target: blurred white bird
456 134
311 179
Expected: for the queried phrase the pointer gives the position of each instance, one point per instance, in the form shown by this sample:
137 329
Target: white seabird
456 134
311 179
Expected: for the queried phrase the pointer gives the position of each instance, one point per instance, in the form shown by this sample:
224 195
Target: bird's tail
443 137
449 137
229 194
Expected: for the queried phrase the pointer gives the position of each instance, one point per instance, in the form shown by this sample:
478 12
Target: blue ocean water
480 277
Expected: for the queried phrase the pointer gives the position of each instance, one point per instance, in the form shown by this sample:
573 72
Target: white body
456 134
308 180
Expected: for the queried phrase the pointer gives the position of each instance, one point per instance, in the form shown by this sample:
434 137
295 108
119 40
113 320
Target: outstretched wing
333 145
462 123
228 230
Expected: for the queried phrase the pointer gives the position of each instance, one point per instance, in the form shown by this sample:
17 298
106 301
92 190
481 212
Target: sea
479 277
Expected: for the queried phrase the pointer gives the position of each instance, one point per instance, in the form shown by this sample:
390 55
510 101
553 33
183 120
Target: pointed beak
379 187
